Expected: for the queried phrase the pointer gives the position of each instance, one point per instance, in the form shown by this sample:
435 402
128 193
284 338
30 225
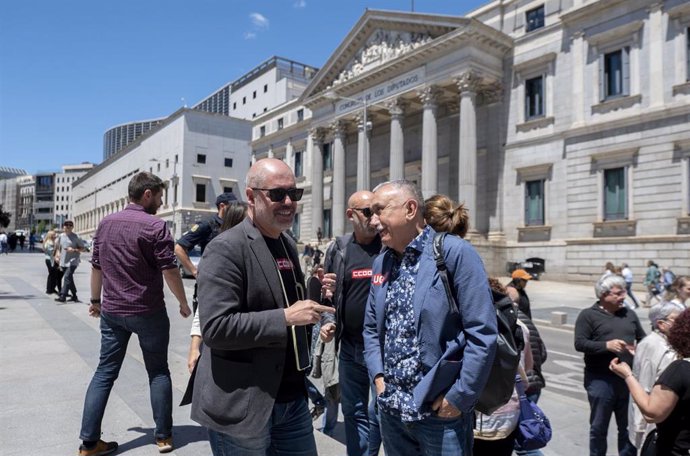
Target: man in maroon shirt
130 250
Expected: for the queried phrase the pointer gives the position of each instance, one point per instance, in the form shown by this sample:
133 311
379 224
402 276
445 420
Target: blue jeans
153 332
68 282
287 432
431 436
362 433
329 402
607 394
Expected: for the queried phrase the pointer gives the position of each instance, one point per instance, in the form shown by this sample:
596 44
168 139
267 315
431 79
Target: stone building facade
563 126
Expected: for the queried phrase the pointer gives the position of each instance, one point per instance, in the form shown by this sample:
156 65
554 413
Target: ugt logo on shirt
378 279
361 274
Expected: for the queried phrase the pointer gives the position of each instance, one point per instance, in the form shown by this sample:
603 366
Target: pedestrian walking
428 371
652 282
68 254
351 258
132 255
54 280
4 247
250 389
627 274
605 331
668 403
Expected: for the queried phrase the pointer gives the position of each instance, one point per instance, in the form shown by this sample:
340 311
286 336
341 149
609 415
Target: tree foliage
4 217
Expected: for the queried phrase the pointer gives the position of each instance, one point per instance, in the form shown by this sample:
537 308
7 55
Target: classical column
290 155
314 143
656 62
429 97
363 173
338 211
468 83
578 65
396 108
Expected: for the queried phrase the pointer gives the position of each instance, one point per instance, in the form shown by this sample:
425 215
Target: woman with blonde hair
54 281
444 215
679 292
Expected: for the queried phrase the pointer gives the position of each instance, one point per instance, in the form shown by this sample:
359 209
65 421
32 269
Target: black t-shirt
292 385
674 432
356 282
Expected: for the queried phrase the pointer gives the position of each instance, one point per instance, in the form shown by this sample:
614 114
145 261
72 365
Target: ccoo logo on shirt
361 273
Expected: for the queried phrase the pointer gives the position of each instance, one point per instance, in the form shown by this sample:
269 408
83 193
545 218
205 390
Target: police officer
200 234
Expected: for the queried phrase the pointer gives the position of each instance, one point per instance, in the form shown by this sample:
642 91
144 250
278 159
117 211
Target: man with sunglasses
250 388
67 254
428 358
351 257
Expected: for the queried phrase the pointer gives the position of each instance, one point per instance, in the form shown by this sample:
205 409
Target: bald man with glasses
250 389
351 257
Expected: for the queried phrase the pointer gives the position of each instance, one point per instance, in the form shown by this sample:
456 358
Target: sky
72 69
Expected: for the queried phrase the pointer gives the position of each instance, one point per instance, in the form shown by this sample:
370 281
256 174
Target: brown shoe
101 449
164 445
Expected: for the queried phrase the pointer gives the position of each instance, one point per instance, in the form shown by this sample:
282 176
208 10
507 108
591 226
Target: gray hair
661 311
409 188
605 284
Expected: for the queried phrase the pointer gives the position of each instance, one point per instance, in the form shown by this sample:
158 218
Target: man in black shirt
250 387
605 331
350 257
519 282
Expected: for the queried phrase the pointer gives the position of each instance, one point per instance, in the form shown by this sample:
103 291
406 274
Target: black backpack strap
443 270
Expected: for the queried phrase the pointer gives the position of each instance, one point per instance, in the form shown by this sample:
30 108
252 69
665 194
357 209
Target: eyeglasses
366 211
277 195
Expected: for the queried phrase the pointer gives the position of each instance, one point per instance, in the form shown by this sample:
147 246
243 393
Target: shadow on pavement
182 435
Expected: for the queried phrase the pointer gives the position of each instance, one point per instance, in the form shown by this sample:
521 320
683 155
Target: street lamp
363 157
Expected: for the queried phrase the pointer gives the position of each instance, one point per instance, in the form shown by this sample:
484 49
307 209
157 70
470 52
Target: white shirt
627 274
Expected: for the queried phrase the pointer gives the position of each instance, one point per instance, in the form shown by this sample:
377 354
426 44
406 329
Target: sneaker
164 445
101 449
60 299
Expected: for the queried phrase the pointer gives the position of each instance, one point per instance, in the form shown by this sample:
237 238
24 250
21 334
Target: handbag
649 446
534 428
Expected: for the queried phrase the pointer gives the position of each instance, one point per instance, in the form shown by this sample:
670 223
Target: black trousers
54 281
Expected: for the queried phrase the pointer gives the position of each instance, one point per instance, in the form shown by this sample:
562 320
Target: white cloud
249 35
300 4
259 20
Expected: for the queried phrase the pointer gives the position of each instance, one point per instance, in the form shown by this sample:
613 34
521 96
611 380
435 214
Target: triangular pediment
380 37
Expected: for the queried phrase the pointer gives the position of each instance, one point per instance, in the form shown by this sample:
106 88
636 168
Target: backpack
501 382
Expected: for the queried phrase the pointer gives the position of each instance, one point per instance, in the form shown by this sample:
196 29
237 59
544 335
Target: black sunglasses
277 195
366 211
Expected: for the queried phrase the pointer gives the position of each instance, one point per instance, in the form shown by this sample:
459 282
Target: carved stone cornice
469 81
429 96
396 108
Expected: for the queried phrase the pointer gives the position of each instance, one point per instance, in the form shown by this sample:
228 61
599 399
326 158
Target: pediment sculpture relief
382 46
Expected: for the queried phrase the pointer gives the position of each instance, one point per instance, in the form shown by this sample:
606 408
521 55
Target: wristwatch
95 301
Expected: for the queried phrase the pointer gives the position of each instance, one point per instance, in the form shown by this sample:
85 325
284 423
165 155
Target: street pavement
50 350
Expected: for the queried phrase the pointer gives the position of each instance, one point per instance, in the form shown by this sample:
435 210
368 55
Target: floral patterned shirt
402 367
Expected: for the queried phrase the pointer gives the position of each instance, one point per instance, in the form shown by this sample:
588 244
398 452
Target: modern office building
63 191
44 198
198 154
563 126
120 136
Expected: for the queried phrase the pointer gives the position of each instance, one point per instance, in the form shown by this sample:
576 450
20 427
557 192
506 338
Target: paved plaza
50 350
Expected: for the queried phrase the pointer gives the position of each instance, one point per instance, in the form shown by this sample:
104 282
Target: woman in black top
668 404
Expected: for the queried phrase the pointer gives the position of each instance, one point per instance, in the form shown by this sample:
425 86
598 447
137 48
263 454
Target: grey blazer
243 325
